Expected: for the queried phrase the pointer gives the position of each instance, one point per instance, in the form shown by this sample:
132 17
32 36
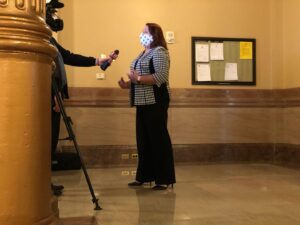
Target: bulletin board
223 61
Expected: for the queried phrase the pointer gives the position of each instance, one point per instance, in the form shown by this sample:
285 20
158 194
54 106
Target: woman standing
149 84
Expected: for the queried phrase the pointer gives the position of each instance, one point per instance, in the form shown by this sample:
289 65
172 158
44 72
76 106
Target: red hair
157 34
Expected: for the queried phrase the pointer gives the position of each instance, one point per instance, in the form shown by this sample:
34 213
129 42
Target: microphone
108 62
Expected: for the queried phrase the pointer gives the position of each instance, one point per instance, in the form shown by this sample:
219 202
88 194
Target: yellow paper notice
246 50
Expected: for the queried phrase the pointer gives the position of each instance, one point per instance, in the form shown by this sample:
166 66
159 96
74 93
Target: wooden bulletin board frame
237 67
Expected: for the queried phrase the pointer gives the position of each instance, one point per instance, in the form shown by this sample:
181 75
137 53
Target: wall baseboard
287 155
117 156
191 98
279 154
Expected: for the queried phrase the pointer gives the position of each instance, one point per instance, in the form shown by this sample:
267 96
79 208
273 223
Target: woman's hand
133 76
123 84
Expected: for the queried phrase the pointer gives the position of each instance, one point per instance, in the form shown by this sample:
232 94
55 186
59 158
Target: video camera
52 19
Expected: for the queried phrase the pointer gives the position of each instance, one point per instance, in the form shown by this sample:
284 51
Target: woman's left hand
133 76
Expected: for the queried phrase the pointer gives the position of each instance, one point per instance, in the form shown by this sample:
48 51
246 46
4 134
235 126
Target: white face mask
146 39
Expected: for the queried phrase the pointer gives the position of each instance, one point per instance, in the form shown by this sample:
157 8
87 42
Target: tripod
68 122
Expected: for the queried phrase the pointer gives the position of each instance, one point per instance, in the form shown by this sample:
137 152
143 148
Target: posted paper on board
231 72
202 52
203 72
216 51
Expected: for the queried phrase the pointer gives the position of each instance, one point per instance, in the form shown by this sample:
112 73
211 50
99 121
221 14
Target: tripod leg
67 122
95 200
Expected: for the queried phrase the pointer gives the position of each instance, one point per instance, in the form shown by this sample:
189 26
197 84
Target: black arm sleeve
75 59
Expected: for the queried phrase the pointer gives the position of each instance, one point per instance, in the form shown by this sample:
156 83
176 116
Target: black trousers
155 153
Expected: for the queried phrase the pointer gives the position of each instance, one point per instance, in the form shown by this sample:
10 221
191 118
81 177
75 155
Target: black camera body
55 23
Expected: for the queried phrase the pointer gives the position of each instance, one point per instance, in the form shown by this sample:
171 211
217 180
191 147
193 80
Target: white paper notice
216 51
203 72
202 53
231 72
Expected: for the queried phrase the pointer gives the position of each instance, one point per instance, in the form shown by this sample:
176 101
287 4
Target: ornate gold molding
26 55
20 4
36 5
3 3
23 27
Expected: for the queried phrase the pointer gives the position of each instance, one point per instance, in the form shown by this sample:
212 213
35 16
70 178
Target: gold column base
25 116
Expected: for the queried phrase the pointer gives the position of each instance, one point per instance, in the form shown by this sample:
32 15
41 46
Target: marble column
25 121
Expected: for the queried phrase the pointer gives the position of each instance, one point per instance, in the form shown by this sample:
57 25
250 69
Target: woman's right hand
123 84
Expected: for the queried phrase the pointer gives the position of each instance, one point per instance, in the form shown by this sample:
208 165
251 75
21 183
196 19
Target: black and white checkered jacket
155 62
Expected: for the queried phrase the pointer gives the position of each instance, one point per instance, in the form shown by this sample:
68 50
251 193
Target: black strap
161 93
151 66
132 86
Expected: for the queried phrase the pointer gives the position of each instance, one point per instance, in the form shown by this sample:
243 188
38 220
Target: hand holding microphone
107 63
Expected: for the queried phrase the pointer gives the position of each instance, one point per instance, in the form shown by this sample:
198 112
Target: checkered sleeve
161 63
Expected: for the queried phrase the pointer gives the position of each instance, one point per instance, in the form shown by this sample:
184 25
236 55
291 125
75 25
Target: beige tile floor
230 194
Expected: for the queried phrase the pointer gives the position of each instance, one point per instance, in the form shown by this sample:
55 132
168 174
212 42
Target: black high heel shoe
135 184
160 187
